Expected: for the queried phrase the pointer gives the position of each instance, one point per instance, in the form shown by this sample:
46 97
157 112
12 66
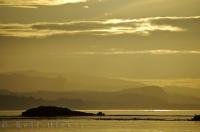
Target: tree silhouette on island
53 111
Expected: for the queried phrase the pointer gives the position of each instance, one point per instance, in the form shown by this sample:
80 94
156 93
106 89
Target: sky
149 40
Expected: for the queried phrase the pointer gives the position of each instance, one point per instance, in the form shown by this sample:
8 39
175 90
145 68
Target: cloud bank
143 27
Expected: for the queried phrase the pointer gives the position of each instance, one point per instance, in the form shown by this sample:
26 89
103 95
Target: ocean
115 121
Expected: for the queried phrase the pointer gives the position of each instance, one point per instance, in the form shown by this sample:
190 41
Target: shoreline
106 118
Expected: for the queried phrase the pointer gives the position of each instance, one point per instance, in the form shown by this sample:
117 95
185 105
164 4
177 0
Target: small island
53 111
196 118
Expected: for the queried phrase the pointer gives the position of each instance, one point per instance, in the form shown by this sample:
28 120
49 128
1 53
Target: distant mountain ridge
87 92
135 99
36 81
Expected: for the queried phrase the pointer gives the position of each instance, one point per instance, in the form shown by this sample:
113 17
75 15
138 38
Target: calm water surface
85 124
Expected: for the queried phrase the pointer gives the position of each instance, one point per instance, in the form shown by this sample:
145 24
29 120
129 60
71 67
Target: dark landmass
14 101
52 111
82 92
100 114
33 80
196 118
153 98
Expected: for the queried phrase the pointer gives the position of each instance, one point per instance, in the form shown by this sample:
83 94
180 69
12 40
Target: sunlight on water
147 112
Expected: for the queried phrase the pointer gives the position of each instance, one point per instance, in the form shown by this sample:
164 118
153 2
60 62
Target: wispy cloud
149 19
25 31
140 52
143 26
29 3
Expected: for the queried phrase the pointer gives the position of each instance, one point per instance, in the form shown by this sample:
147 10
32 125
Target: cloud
25 31
27 3
140 52
143 27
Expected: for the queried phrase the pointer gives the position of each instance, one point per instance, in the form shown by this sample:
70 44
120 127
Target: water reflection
101 126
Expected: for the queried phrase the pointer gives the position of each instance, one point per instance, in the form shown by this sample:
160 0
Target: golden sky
134 39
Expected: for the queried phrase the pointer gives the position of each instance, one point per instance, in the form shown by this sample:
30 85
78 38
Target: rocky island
196 118
53 111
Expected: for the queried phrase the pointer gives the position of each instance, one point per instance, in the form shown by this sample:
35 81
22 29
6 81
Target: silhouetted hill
14 101
5 92
185 91
152 91
140 98
21 82
83 92
19 102
52 111
36 81
196 118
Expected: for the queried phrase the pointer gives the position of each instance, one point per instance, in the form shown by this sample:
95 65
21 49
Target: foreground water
171 121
